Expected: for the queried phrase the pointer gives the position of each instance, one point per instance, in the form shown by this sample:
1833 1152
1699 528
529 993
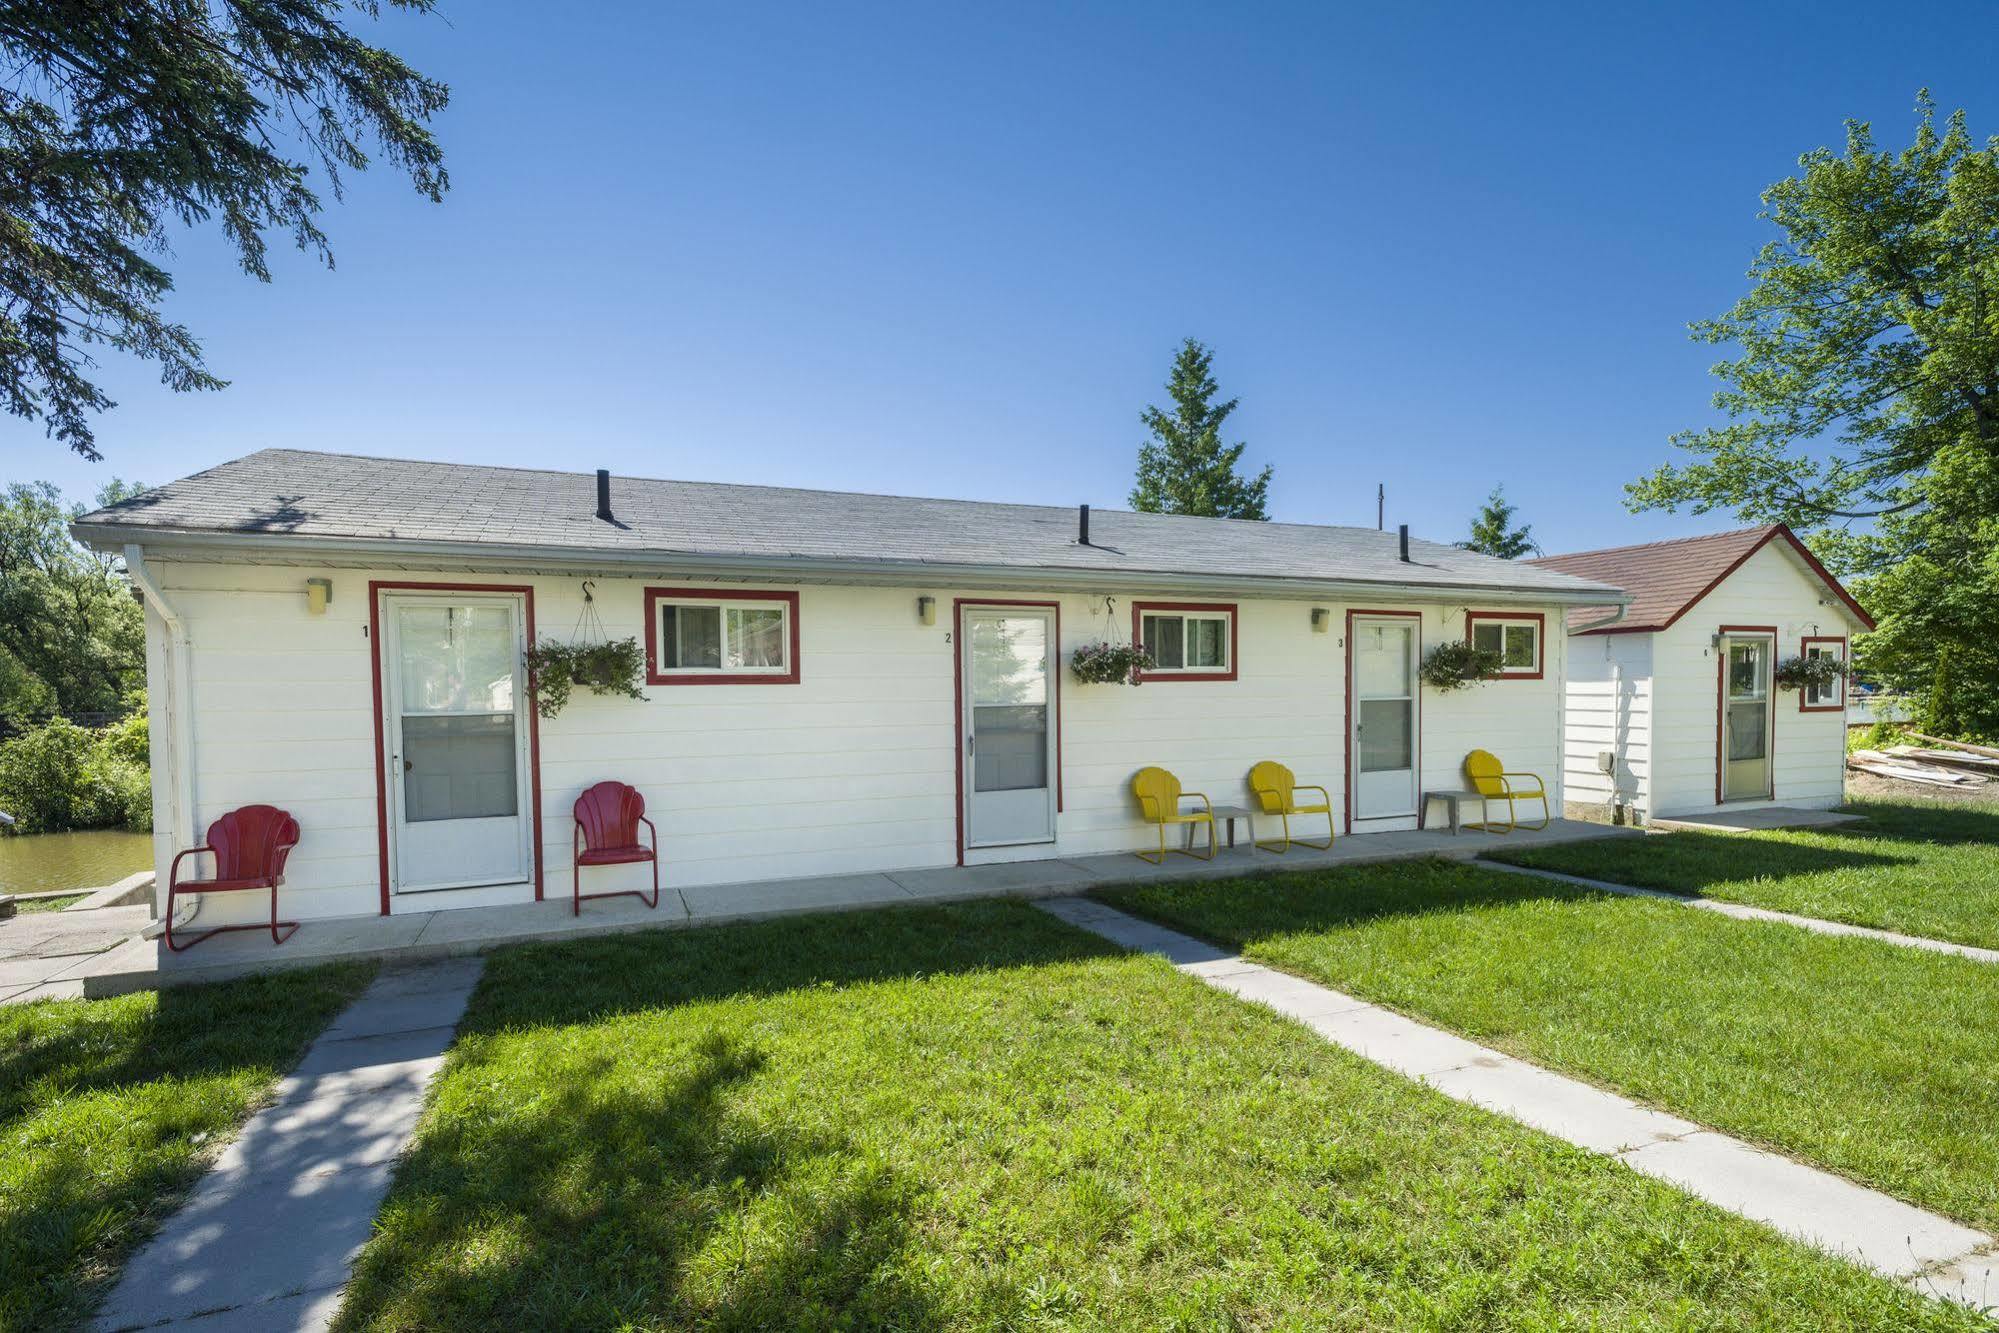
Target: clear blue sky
951 253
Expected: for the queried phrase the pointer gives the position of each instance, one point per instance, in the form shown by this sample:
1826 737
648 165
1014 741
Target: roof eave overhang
373 551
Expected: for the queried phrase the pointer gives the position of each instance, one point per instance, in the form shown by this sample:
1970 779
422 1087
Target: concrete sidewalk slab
268 1238
1934 1254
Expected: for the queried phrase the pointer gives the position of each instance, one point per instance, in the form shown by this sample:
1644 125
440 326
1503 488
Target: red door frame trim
1540 620
376 587
1804 649
958 605
654 596
1138 610
1721 705
1416 747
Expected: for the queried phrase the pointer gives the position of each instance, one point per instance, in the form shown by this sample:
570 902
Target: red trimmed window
1186 640
1830 698
713 636
1515 635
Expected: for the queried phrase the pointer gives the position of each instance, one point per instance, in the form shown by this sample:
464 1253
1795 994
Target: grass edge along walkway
111 1110
1933 1254
1744 912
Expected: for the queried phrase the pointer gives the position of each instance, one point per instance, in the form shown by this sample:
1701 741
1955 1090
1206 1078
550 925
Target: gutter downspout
180 702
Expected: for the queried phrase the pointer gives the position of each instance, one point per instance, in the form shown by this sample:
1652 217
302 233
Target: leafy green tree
1866 388
72 640
119 119
1493 533
1185 468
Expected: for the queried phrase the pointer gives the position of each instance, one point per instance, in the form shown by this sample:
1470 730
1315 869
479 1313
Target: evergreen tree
1493 533
1185 468
120 122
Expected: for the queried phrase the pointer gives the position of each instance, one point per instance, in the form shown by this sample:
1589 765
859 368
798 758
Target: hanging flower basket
1109 663
1809 673
617 668
1452 666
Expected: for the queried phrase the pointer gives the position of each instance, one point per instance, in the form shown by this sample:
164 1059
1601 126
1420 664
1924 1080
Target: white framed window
706 636
1186 640
1515 636
1831 697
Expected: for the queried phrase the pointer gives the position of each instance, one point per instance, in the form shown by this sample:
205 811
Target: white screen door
1008 665
1746 717
455 723
1382 653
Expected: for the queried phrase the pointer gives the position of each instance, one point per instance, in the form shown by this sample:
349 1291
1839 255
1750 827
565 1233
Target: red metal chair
608 818
249 846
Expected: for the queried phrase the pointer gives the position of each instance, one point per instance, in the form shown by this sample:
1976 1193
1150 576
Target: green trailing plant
1454 665
1109 663
1809 673
617 667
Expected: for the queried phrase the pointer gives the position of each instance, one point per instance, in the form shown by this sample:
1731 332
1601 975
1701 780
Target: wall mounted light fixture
318 593
1322 620
926 610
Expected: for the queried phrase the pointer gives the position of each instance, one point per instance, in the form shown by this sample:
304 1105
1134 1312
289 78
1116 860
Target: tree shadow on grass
1242 912
554 984
625 1199
1688 860
1924 821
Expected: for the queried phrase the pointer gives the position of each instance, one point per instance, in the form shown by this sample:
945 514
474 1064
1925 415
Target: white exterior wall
852 769
1673 722
1609 707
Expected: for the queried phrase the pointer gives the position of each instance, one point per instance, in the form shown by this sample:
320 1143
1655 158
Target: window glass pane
1520 646
1165 641
1489 636
456 659
1747 729
756 637
1745 670
690 637
1009 660
459 767
1385 735
1009 747
1381 661
1208 643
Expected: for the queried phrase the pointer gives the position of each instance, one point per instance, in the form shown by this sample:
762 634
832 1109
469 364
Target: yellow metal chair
1159 798
1276 791
1492 782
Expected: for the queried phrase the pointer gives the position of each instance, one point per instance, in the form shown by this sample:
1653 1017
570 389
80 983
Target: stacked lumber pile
1949 764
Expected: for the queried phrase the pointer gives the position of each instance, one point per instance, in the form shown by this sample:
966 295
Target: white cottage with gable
341 637
1672 704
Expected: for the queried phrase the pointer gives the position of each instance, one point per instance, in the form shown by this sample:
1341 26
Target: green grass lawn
110 1109
975 1117
1869 1058
48 904
1919 867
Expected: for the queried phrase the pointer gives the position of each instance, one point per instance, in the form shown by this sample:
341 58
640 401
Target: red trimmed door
455 730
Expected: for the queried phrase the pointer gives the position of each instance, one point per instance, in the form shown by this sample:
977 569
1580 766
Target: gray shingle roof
293 496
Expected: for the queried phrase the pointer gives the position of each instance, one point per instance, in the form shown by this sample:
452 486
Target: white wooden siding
852 769
1609 698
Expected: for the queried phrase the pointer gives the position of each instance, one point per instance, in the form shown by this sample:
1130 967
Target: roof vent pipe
604 494
1083 530
1403 533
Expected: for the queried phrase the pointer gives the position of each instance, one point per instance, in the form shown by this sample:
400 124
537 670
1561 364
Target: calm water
30 863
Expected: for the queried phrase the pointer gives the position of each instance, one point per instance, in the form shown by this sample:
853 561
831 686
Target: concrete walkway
268 1239
41 953
1743 912
1759 819
414 936
1934 1254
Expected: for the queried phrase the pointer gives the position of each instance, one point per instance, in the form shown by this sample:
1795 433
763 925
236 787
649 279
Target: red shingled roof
1665 579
